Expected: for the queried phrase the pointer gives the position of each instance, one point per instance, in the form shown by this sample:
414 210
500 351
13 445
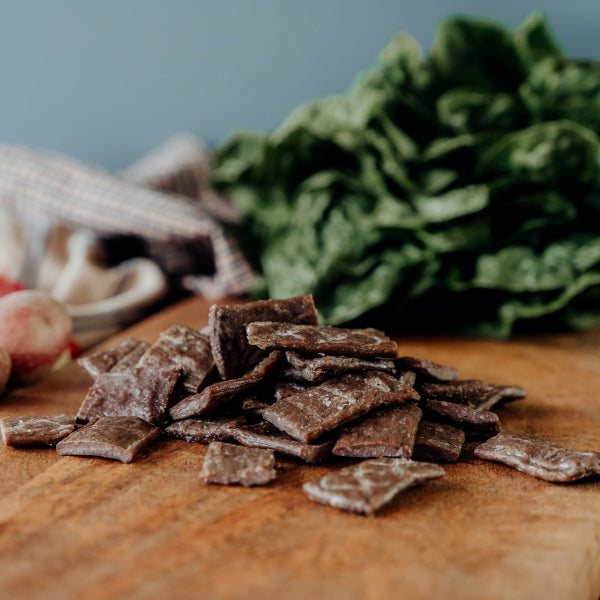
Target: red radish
8 286
4 368
35 330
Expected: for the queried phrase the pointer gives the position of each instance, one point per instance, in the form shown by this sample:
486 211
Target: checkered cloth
162 202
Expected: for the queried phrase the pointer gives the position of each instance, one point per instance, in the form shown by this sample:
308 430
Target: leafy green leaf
457 191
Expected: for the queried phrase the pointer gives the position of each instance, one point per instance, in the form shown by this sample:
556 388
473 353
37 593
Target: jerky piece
232 353
140 392
370 485
318 368
427 369
472 392
221 393
503 393
389 431
227 464
130 360
286 388
540 458
307 415
293 375
206 430
106 360
264 435
118 438
407 378
185 348
477 424
36 431
253 405
328 340
437 442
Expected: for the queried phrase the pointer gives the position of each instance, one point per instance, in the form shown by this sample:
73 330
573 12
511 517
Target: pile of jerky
264 377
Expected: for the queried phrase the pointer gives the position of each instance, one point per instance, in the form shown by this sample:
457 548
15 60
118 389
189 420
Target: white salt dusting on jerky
228 464
36 431
315 339
204 430
308 414
370 485
117 438
264 435
540 458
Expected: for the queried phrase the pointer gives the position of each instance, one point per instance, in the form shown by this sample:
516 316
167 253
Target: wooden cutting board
92 528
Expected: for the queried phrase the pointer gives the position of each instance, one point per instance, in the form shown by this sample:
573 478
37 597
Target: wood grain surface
91 528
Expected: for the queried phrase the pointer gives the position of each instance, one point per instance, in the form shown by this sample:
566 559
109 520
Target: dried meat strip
264 435
503 393
328 340
21 432
205 430
130 360
139 392
228 464
477 424
117 438
107 360
319 368
540 458
233 355
427 369
472 392
253 405
389 431
223 392
307 415
370 485
407 378
283 389
185 348
437 442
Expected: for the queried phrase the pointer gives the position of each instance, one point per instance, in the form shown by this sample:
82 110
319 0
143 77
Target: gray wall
107 80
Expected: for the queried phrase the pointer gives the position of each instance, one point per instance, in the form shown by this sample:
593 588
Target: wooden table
92 528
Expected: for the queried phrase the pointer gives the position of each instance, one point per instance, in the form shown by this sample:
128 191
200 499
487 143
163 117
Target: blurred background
105 82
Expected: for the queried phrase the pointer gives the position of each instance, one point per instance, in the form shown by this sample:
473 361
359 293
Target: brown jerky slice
437 442
472 392
206 430
370 485
185 348
130 360
328 340
286 388
221 393
540 458
253 405
318 368
36 431
233 355
107 360
228 464
503 393
307 415
427 369
117 438
292 375
388 431
264 435
140 392
477 424
407 378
